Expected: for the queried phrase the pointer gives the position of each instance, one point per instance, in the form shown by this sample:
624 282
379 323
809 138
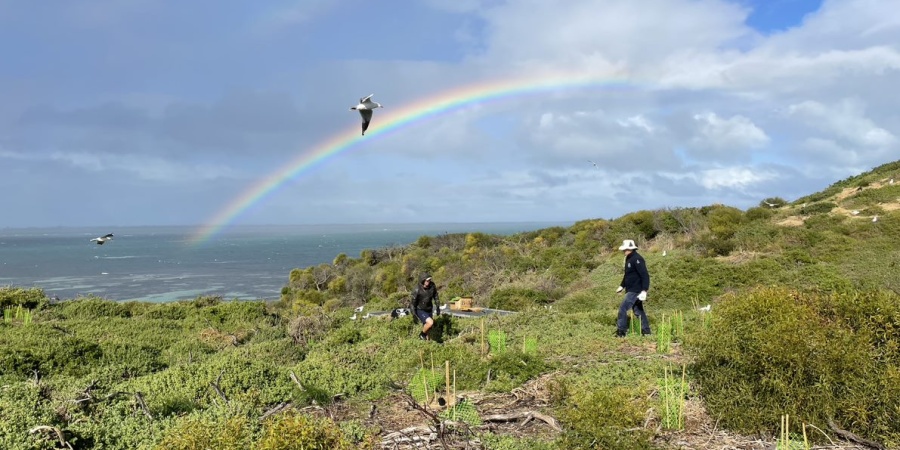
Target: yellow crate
463 304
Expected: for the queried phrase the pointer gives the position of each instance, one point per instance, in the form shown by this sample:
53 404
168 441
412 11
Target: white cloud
845 120
638 121
736 177
144 167
612 30
734 134
297 12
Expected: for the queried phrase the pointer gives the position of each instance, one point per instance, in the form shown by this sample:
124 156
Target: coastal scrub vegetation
790 308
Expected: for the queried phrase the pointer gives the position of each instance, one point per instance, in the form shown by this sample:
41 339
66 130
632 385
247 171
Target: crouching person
424 298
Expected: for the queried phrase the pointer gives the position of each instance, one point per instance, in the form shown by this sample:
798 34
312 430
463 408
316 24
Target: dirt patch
702 432
792 221
739 257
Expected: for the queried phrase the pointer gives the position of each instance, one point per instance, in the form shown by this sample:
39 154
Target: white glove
619 289
642 296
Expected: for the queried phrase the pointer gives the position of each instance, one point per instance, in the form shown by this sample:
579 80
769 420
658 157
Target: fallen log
218 389
140 399
276 409
59 434
526 415
852 437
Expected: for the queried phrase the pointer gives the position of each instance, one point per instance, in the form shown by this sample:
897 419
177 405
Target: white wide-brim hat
628 244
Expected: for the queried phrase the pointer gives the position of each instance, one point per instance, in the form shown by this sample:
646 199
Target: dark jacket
636 278
423 298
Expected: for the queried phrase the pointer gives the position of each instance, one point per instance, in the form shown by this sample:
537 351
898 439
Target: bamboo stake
425 382
482 336
781 433
681 399
666 384
454 384
447 370
805 440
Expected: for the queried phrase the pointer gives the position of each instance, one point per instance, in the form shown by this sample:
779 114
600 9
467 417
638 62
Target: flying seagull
365 108
102 239
595 164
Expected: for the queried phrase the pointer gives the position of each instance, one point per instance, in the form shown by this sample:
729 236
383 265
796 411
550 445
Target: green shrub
517 299
512 368
201 433
724 221
813 356
759 213
817 208
22 406
641 221
92 308
710 245
301 432
29 298
505 442
607 419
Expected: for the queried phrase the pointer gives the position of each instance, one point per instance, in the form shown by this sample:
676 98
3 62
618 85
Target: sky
156 112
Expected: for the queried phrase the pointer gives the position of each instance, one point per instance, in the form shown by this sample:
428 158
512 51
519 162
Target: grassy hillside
804 317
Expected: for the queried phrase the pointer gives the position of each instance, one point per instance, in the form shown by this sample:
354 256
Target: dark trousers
631 302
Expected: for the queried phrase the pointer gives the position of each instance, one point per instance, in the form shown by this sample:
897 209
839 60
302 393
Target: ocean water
159 264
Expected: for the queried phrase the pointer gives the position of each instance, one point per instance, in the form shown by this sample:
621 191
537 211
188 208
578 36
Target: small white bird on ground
443 307
102 239
365 107
664 253
875 219
891 182
705 308
353 317
771 205
360 309
367 315
854 212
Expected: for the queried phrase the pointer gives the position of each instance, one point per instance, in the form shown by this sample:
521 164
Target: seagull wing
365 99
108 236
366 115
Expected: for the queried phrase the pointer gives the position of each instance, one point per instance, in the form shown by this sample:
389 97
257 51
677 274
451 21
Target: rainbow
386 121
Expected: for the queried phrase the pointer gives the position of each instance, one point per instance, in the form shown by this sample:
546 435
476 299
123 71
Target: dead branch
421 436
140 399
57 431
852 437
297 381
438 425
219 389
276 409
527 415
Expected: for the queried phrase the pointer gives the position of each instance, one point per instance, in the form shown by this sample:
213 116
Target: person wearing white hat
635 283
